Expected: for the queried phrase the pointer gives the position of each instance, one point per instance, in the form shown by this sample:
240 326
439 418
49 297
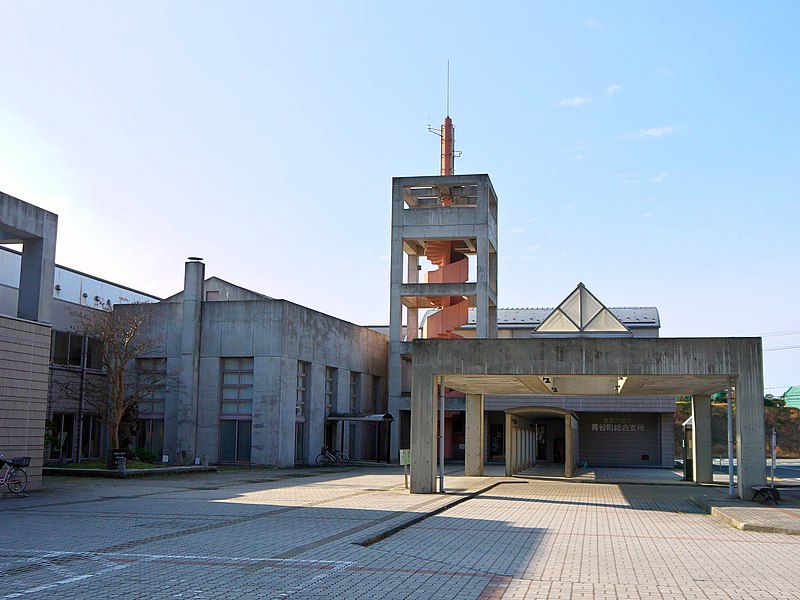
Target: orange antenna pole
448 137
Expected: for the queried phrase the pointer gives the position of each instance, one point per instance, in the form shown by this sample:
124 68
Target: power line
776 333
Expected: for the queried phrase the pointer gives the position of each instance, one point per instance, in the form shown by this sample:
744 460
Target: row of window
236 400
331 387
63 431
75 350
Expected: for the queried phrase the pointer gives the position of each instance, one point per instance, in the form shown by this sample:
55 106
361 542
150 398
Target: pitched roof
792 396
632 316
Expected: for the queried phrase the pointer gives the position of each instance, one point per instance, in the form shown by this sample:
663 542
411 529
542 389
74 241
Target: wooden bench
768 492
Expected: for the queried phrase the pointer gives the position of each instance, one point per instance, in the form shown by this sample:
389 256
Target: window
330 390
355 392
94 354
375 398
236 410
237 387
150 435
61 431
90 442
302 384
151 373
234 441
331 396
378 403
65 348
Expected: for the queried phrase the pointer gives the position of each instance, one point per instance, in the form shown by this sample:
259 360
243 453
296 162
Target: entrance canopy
379 418
619 367
587 385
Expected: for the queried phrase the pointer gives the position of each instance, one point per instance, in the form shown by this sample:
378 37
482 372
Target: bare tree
122 338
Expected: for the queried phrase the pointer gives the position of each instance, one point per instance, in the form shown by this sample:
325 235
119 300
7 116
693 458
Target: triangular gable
230 289
581 312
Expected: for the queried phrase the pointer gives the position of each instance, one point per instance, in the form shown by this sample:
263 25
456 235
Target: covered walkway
620 368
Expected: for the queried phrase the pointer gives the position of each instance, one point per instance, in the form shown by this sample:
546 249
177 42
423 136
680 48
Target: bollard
123 464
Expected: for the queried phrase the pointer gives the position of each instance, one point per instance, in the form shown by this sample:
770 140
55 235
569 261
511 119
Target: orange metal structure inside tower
452 265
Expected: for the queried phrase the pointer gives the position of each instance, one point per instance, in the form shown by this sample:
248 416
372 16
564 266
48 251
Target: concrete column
395 367
482 317
315 410
750 446
412 314
570 445
190 359
509 449
473 451
702 457
423 435
37 270
667 425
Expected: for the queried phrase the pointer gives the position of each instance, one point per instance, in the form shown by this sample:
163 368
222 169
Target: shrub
145 455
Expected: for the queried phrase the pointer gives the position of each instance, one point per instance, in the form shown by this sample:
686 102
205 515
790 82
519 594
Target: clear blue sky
648 149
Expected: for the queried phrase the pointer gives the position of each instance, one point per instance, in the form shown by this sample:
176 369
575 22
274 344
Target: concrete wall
24 375
276 334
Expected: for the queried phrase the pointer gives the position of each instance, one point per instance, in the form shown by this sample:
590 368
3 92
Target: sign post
774 455
405 460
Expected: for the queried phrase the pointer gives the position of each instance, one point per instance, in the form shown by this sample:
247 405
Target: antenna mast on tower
448 135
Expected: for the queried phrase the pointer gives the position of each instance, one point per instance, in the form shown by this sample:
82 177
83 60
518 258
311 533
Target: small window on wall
355 392
302 386
150 435
234 441
330 390
378 404
66 348
61 430
94 354
151 373
91 441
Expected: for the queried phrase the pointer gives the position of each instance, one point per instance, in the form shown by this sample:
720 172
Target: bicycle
13 475
326 458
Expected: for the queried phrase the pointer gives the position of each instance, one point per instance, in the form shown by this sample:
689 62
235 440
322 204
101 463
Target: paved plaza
357 533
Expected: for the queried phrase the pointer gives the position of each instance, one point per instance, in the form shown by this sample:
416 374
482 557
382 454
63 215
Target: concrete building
580 385
25 333
648 423
75 424
256 380
262 381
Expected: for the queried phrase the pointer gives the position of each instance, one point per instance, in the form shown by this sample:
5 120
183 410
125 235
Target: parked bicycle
326 458
12 473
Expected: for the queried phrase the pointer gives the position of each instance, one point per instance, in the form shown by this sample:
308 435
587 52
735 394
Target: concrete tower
449 221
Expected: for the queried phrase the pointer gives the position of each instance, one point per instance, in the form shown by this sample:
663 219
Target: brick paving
301 534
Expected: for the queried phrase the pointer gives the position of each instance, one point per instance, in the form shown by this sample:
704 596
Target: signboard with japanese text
624 439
